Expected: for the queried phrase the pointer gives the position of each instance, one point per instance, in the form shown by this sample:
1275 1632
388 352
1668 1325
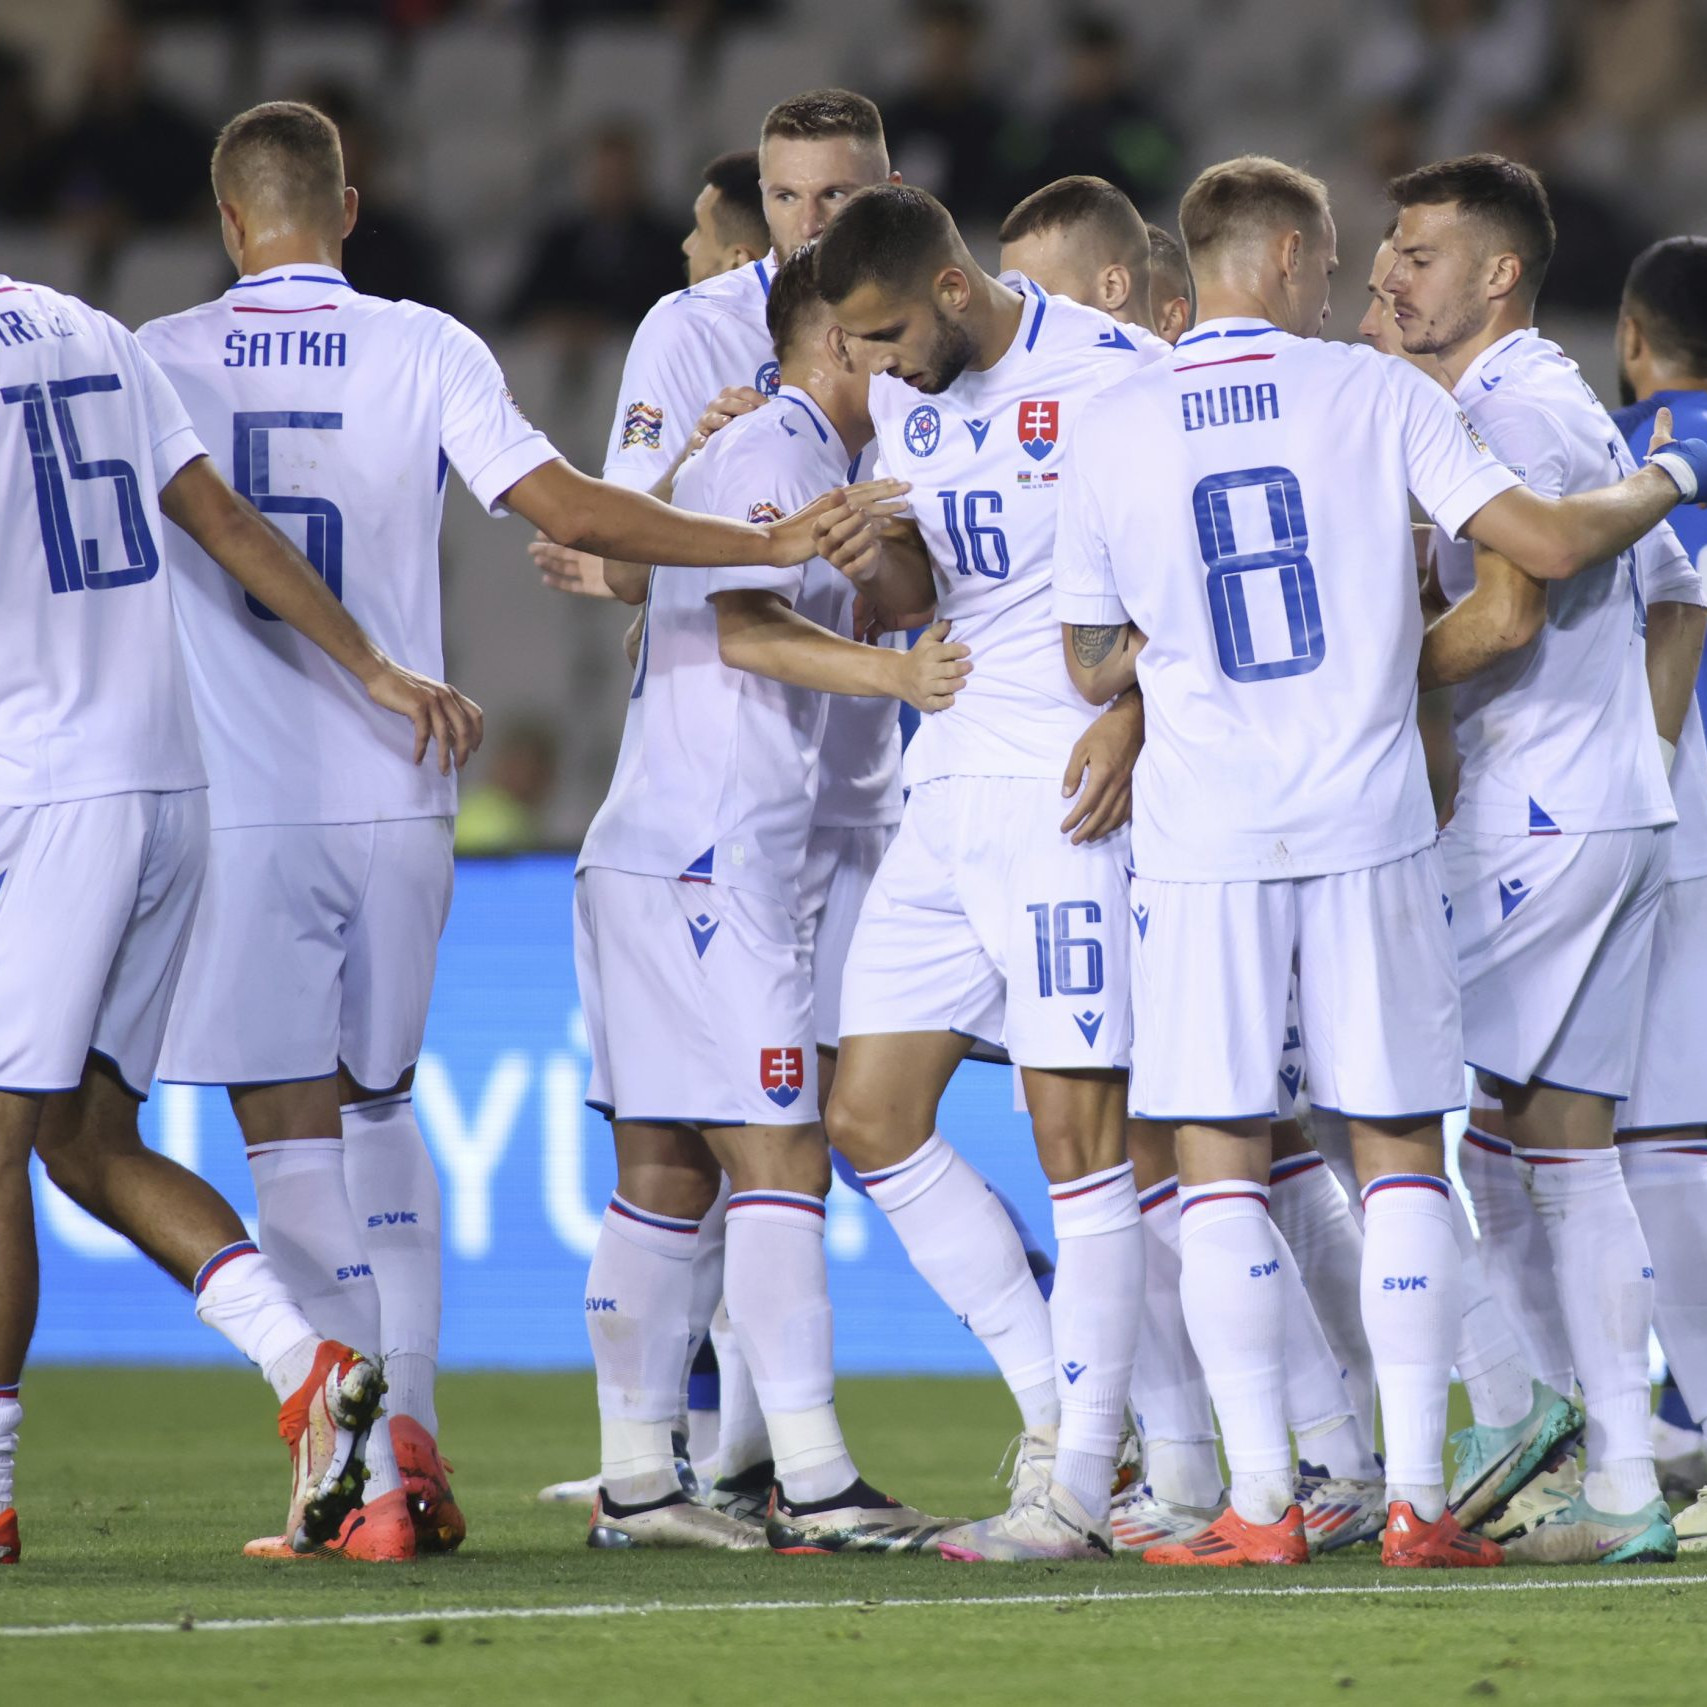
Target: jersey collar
1477 371
827 434
291 273
1231 326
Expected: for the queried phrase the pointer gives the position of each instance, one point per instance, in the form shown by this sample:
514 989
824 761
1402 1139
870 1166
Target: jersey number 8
1234 587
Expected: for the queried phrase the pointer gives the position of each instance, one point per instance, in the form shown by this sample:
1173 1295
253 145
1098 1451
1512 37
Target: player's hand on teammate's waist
1685 460
567 570
1099 771
796 538
730 402
935 669
440 714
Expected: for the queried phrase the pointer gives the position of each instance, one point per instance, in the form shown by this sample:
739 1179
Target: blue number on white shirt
1304 647
74 564
989 545
252 476
1056 945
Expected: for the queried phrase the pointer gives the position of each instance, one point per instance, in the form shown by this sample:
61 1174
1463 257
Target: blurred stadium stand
481 111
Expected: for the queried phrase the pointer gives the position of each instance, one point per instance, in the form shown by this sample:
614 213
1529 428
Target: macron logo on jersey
1090 1024
980 430
1513 893
1111 338
1039 428
702 929
1292 1078
782 1073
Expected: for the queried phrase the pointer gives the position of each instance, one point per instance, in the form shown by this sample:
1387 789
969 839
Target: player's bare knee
669 1170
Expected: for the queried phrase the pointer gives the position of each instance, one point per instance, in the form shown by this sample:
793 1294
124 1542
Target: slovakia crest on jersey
782 1073
768 380
923 431
1039 428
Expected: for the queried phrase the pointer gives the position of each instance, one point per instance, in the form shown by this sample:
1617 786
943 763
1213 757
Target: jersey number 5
74 564
251 474
1277 585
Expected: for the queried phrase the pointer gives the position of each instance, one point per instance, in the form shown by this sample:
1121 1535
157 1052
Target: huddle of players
1209 536
220 852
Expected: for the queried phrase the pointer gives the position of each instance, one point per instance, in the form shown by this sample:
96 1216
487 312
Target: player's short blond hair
285 156
1251 196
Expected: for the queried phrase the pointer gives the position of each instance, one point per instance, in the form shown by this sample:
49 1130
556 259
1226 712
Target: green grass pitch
138 1487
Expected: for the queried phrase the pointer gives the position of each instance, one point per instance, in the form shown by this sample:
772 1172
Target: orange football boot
1230 1540
1411 1544
11 1549
381 1532
325 1423
440 1526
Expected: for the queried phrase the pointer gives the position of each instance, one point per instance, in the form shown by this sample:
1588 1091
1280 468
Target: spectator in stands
127 156
600 268
25 188
505 813
1104 123
945 130
390 253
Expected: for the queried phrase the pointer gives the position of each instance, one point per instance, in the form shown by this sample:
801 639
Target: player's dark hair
1246 196
794 303
740 212
1170 271
286 155
1667 291
1084 202
1506 197
819 115
890 235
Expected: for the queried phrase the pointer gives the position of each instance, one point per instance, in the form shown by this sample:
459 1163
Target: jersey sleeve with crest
1450 469
488 440
756 483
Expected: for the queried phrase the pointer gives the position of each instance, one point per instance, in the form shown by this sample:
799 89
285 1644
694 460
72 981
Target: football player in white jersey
1238 611
333 857
1078 237
103 843
987 920
694 971
1557 850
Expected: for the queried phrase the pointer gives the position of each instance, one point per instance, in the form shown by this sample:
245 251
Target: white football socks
639 1286
959 1238
11 1420
1170 1397
394 1192
1606 1293
1667 1181
1094 1311
741 1438
776 1290
1235 1308
1316 1396
1494 1372
707 1293
1411 1307
1516 1258
239 1294
1309 1207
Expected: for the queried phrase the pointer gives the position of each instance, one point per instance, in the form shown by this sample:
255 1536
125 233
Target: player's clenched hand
569 571
730 402
1685 460
437 710
794 539
934 670
1099 771
849 533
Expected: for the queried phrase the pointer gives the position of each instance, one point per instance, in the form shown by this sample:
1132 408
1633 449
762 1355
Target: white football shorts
698 1001
1377 995
840 864
315 945
96 899
1553 936
1671 1066
984 919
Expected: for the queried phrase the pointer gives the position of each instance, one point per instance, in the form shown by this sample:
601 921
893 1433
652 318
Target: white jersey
718 768
985 458
337 415
1244 504
693 344
1557 737
1666 576
92 692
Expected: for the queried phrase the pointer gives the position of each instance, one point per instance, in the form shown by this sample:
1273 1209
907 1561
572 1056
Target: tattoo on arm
1092 645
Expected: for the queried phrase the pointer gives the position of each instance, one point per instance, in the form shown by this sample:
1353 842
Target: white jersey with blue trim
1557 737
93 699
718 767
1668 577
693 344
985 459
337 415
1244 504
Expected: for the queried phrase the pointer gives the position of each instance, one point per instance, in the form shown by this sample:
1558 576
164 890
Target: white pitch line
648 1609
